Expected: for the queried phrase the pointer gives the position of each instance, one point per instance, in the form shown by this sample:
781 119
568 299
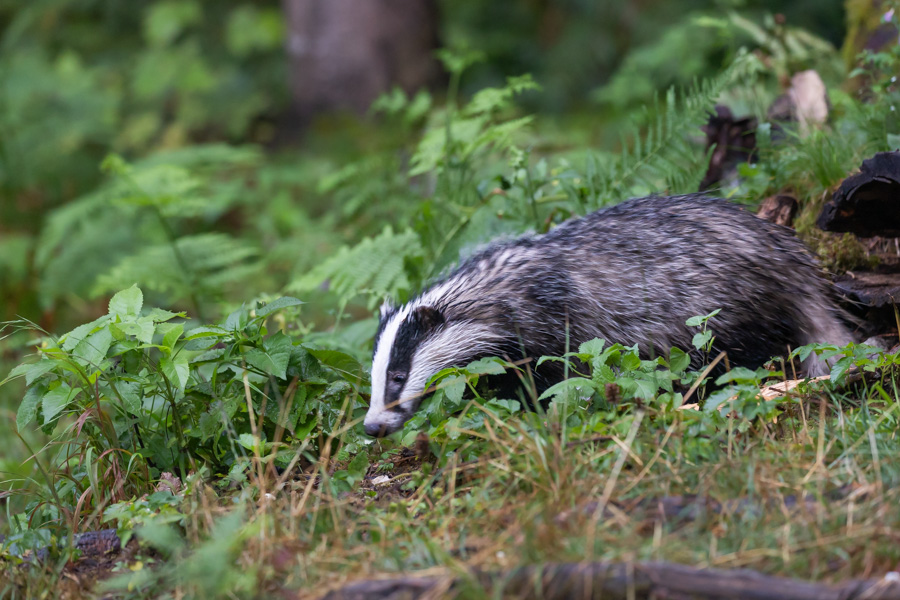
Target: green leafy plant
135 393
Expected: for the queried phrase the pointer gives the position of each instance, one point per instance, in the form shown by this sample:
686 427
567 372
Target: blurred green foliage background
192 100
82 78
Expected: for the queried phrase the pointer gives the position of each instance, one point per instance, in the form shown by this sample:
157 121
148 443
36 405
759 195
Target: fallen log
875 290
871 297
612 581
91 544
866 203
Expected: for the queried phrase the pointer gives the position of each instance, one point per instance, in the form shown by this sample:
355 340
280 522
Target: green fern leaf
377 266
196 265
663 158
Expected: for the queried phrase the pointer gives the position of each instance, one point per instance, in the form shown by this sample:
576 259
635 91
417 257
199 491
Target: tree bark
344 53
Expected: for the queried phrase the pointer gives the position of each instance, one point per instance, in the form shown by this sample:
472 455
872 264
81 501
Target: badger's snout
381 428
375 429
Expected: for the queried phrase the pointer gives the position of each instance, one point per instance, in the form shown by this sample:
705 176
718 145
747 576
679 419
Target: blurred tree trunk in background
344 53
866 28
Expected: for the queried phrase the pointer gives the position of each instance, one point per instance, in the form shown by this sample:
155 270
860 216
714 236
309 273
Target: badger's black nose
374 429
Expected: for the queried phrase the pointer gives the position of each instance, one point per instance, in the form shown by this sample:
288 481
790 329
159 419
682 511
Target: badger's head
407 352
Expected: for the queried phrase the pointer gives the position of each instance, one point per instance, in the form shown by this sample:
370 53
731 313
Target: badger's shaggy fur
633 274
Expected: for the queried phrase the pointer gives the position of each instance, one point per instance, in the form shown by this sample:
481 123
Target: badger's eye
398 378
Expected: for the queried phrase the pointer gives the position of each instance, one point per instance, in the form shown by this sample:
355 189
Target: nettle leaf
631 361
603 374
840 368
576 385
303 430
249 441
718 398
592 347
283 302
274 356
19 370
32 370
740 375
544 359
306 365
359 465
201 332
700 340
171 333
127 303
611 356
503 407
176 369
453 388
487 366
336 389
158 315
74 337
130 392
29 407
346 365
645 388
355 472
679 360
91 351
142 329
220 412
56 400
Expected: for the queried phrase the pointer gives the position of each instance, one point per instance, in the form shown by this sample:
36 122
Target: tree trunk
344 53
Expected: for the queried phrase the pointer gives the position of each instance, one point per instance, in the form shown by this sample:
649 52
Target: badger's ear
428 317
386 307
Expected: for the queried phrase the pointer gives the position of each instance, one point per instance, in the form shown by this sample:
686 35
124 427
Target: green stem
176 421
453 233
531 192
182 262
49 481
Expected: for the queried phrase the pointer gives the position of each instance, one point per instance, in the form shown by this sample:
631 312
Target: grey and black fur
633 274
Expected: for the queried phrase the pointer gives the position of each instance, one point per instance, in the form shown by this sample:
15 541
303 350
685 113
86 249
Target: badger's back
634 273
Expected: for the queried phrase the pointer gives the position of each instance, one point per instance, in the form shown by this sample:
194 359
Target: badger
633 274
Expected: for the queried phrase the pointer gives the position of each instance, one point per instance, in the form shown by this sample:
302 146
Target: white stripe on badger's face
378 415
454 345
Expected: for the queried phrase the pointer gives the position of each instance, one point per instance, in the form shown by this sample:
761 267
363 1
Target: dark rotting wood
868 203
612 581
876 290
733 141
91 544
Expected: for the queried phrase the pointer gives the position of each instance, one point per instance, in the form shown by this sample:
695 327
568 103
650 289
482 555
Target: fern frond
198 263
128 216
377 266
664 159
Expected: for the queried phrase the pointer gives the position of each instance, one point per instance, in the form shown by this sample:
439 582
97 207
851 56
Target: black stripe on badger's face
386 411
386 313
414 330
